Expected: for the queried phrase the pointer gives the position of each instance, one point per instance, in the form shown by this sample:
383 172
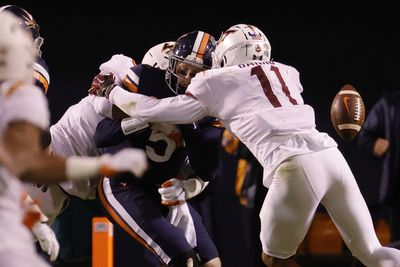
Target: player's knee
271 261
186 259
267 259
216 262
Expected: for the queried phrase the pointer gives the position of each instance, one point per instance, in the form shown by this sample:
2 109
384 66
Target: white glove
129 159
175 192
47 239
172 192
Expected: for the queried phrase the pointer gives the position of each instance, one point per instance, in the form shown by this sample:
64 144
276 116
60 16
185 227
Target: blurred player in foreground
24 115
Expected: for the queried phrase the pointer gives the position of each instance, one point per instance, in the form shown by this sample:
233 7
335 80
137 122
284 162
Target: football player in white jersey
73 133
24 115
260 102
41 231
53 200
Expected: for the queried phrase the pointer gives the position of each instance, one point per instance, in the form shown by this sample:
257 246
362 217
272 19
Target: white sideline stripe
129 220
349 126
349 92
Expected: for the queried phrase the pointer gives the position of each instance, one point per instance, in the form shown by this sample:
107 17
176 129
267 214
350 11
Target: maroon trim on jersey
189 94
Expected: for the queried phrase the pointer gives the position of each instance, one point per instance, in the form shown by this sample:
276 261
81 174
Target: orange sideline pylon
102 242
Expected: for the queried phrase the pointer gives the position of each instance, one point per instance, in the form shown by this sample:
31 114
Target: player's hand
127 160
380 147
47 239
172 192
102 85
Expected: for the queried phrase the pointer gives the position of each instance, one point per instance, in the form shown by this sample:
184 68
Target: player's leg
287 212
136 208
350 213
18 257
16 246
206 250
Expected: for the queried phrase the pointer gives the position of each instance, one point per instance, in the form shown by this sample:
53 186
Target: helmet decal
239 44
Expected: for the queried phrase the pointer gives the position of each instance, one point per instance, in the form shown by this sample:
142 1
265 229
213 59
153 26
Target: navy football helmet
28 22
194 50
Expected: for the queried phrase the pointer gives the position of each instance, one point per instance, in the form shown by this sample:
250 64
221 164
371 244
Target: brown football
347 112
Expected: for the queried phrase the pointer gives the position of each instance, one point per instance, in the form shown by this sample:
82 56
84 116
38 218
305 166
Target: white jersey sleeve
102 106
181 109
119 65
25 102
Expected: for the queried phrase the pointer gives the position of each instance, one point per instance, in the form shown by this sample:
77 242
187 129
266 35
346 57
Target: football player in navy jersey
135 205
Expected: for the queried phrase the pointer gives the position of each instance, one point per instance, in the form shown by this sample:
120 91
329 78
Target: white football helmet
158 55
241 43
17 51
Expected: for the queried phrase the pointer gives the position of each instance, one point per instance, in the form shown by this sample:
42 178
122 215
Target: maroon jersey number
266 86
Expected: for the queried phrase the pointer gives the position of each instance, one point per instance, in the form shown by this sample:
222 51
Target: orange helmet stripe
128 83
38 76
203 45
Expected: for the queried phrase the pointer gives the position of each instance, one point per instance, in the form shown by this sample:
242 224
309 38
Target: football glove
47 239
175 192
127 160
102 85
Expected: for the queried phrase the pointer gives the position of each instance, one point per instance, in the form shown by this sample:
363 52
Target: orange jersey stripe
13 88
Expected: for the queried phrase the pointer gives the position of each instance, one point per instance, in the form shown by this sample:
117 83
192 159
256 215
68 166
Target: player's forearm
43 168
181 109
50 168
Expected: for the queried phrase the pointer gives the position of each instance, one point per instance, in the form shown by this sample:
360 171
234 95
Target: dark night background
331 44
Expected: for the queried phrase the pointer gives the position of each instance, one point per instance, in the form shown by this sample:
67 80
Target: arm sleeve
373 127
102 106
108 133
182 109
29 104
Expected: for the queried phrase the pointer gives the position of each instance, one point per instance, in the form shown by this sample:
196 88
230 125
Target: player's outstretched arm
182 109
31 163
